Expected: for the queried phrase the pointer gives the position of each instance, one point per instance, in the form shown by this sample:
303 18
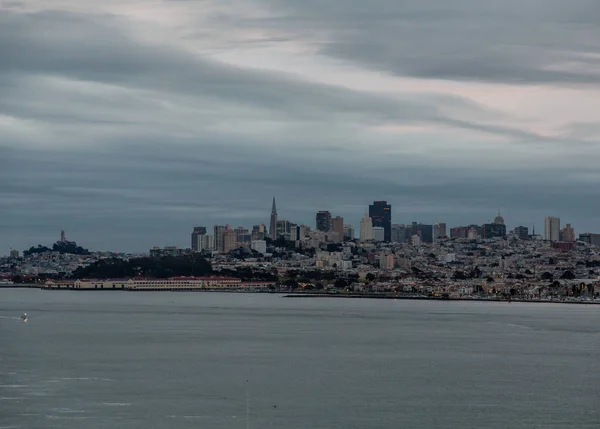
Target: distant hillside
60 246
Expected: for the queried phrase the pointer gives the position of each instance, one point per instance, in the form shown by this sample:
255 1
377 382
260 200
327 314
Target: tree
334 247
489 280
341 284
547 276
370 277
459 275
567 275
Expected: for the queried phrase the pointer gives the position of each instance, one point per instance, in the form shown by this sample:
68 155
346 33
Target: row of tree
60 246
163 267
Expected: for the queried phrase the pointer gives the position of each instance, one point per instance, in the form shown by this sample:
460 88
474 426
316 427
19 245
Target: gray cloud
126 144
42 44
140 195
515 41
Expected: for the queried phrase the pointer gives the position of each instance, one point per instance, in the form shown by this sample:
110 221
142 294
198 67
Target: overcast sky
126 123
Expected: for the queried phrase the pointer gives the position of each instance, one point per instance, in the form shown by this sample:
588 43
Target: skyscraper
366 228
197 232
522 232
568 234
228 239
349 232
439 230
337 225
378 233
552 228
499 219
219 230
381 214
273 223
323 220
398 233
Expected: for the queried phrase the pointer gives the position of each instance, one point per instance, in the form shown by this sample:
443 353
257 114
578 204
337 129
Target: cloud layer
126 124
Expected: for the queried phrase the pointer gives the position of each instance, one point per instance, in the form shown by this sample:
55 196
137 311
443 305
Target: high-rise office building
589 238
273 223
522 232
366 229
499 219
205 242
337 225
381 214
398 233
229 240
219 230
492 230
378 233
425 232
197 232
349 232
567 234
459 232
294 230
439 231
323 220
259 232
282 230
552 228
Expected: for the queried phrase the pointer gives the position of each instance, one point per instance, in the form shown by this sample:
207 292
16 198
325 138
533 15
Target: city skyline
129 125
213 232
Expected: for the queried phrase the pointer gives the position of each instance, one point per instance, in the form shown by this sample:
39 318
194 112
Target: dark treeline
163 267
59 246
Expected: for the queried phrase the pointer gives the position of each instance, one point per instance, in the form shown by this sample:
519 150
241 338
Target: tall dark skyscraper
323 221
197 232
381 214
273 223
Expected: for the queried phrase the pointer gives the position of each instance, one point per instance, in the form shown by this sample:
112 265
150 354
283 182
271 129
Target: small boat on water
24 317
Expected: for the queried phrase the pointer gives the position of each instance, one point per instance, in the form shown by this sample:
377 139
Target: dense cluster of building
471 260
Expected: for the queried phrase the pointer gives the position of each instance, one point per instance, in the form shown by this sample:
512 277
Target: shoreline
288 294
425 298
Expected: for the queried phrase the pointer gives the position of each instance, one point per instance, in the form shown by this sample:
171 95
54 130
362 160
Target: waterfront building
386 262
380 213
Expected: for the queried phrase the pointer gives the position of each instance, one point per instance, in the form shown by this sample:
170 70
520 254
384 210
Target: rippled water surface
209 360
